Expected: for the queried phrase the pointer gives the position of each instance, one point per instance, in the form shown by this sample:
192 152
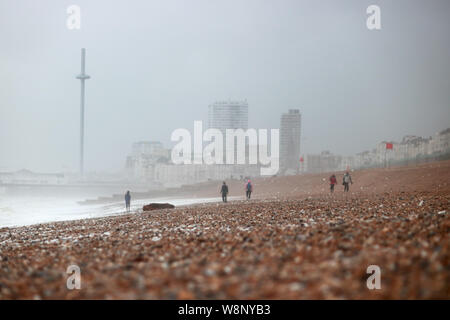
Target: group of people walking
346 181
224 191
248 190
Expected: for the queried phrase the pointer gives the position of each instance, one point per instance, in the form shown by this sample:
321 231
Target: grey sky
157 65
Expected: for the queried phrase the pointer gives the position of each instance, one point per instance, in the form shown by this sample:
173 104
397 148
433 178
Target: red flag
389 146
301 159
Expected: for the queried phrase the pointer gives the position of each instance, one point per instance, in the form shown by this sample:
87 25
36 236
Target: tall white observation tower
82 77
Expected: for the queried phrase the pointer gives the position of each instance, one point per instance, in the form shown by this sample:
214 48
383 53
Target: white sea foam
22 211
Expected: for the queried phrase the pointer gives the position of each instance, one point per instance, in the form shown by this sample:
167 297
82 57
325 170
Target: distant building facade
27 177
144 155
150 163
224 115
323 162
409 150
290 129
170 175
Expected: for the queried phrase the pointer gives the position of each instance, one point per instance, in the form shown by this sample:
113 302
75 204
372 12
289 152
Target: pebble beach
294 243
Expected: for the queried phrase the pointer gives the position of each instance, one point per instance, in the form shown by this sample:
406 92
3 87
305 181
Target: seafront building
29 178
223 115
229 114
290 128
149 162
411 149
140 164
323 162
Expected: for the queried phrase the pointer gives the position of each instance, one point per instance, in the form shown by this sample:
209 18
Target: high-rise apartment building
224 115
290 125
228 115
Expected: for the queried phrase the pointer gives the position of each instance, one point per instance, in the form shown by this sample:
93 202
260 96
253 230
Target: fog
155 66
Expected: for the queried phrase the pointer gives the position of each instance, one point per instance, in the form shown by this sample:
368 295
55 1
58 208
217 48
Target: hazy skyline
155 66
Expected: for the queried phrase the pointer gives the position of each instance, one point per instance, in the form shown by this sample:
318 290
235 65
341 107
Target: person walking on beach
224 192
346 180
248 189
333 181
127 200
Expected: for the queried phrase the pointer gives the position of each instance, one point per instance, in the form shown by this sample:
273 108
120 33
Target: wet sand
293 241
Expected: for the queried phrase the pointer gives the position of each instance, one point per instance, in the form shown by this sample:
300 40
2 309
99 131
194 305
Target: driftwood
156 206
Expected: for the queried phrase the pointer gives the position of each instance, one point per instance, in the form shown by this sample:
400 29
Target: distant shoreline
423 177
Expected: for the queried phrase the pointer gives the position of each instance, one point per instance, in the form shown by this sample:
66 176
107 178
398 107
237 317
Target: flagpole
385 164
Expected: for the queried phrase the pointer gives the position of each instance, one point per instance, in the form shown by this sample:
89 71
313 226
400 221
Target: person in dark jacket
248 189
127 201
224 192
333 181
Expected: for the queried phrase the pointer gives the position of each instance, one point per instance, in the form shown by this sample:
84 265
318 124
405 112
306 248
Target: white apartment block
290 128
224 115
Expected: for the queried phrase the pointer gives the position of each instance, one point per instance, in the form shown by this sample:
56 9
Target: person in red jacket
333 181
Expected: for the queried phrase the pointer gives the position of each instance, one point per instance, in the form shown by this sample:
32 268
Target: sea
22 208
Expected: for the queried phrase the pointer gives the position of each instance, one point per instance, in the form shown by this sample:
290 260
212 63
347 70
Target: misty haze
170 130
